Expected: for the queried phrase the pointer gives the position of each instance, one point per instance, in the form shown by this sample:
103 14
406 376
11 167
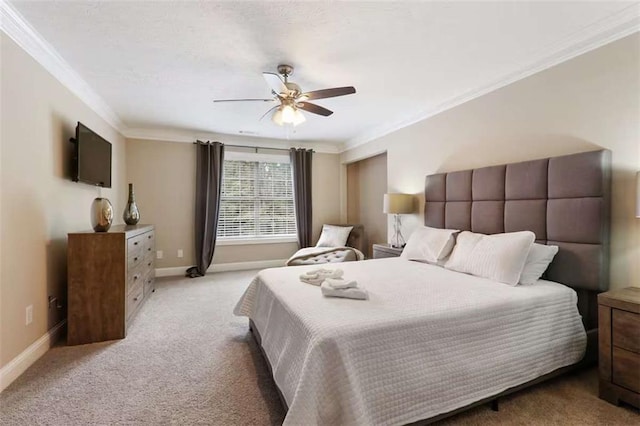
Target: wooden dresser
110 274
619 345
385 250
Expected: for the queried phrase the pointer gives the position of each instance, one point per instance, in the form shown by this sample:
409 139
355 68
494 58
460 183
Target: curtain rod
256 147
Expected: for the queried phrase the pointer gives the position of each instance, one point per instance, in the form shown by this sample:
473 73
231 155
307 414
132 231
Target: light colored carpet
187 360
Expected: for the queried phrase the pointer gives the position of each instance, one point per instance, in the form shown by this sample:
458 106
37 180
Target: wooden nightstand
619 345
385 250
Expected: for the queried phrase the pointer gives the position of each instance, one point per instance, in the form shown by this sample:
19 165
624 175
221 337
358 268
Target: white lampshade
298 117
638 195
288 114
398 203
277 117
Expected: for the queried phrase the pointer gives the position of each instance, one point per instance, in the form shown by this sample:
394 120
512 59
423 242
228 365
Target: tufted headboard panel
564 200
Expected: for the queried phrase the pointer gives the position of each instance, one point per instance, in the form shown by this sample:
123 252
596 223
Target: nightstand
619 345
385 250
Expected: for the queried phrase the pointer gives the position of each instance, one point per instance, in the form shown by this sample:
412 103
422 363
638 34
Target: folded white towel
313 281
317 276
348 293
341 283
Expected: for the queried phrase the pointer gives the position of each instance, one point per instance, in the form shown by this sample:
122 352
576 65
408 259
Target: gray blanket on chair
320 255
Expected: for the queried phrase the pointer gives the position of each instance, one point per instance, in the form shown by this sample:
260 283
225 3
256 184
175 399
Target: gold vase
101 214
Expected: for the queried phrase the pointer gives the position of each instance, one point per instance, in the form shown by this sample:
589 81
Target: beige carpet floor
188 361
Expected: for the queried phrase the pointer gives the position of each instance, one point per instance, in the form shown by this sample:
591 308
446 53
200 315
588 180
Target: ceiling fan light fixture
288 114
298 117
277 117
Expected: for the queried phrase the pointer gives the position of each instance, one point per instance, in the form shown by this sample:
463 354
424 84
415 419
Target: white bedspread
428 340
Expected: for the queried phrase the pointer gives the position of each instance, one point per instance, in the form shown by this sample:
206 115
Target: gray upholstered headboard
564 200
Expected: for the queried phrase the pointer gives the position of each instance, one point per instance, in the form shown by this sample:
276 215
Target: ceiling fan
292 99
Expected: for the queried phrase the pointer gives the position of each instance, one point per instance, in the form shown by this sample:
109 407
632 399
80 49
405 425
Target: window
257 197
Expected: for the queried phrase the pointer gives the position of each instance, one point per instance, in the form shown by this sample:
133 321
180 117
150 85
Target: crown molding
25 36
609 29
178 135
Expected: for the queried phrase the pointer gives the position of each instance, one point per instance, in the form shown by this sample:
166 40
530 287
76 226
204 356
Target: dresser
385 250
619 345
109 276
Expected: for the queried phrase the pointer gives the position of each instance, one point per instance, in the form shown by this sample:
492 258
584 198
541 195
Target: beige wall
587 103
163 174
366 186
40 204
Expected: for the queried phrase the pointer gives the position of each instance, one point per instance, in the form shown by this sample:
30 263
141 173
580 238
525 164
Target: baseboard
223 267
19 364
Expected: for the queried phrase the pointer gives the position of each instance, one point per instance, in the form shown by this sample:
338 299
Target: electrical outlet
29 314
180 253
159 254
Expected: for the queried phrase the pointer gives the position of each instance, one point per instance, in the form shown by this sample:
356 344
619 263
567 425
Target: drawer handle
135 259
149 264
136 276
135 299
149 249
149 236
136 243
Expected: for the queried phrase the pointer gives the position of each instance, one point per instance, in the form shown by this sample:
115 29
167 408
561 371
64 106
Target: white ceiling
159 65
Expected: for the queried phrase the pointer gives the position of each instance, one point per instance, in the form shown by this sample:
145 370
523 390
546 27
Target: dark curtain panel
301 165
209 161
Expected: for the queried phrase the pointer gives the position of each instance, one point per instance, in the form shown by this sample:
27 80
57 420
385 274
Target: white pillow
499 257
429 244
538 260
334 236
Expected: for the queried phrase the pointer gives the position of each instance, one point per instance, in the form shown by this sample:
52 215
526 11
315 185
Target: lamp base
398 240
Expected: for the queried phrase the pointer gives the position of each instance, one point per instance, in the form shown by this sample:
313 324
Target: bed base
590 359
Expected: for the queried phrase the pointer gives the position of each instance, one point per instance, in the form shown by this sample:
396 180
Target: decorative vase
101 214
131 215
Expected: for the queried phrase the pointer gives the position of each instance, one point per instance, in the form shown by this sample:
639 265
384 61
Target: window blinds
256 200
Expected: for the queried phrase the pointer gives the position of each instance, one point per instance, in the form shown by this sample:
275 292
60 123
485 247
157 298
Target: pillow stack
498 257
511 258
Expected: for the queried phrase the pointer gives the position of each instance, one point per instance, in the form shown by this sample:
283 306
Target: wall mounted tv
92 158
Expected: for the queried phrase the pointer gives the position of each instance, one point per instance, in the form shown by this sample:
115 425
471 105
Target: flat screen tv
92 158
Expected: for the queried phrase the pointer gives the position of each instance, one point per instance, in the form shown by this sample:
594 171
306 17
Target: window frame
257 239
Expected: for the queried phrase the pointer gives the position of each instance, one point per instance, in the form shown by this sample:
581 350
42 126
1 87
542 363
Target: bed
431 342
352 251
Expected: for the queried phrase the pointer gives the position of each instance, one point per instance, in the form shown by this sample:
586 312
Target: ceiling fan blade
275 83
267 113
244 100
329 93
315 109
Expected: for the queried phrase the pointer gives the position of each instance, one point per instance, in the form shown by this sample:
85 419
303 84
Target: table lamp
397 204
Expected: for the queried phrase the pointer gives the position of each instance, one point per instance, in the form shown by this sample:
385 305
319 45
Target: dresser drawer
626 369
135 243
149 283
149 241
134 258
134 299
626 330
147 263
135 276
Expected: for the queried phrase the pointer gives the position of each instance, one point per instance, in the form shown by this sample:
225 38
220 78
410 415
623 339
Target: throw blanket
319 255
